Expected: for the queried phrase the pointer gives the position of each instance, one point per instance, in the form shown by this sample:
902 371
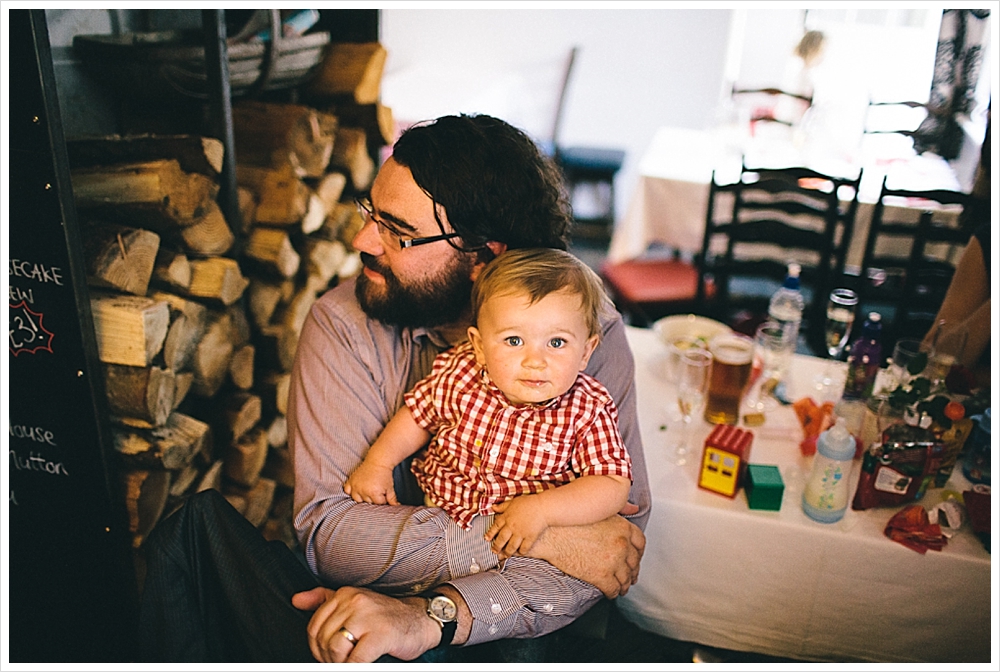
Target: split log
329 189
350 70
172 446
183 481
323 259
241 367
183 382
375 118
276 347
120 257
259 500
282 198
273 390
145 498
275 134
350 267
277 431
194 153
172 269
130 329
239 325
279 525
245 458
279 467
211 359
187 326
155 194
316 213
350 153
271 251
293 315
240 412
264 297
248 207
237 501
218 279
342 218
140 396
207 236
212 478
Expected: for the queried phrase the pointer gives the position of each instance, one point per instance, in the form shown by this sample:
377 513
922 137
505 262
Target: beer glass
732 359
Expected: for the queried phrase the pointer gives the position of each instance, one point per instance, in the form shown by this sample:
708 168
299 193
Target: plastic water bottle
787 305
825 496
864 359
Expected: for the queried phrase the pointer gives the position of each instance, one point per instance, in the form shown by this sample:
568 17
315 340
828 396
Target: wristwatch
443 610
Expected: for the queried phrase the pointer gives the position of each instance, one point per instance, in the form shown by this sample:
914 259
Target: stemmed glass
840 311
772 353
692 387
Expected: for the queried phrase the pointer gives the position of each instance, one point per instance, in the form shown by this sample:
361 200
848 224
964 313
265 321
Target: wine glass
772 352
692 387
840 311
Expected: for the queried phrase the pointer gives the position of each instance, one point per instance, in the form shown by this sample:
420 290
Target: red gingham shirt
486 450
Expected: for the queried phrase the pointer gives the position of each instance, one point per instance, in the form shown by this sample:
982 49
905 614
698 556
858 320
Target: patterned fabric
486 450
956 72
349 378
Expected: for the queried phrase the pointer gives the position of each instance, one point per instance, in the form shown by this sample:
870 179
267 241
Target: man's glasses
390 236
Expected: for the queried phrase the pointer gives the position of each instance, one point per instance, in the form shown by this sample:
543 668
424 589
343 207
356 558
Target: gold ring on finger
348 635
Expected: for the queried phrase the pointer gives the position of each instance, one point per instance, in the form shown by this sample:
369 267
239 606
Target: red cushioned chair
649 287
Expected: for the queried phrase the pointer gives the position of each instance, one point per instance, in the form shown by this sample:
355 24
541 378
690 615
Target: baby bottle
825 496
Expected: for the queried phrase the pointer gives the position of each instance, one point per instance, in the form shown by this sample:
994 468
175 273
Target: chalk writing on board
16 294
38 272
36 434
36 462
27 334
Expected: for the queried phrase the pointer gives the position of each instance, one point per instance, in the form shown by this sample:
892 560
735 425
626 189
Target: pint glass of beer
732 359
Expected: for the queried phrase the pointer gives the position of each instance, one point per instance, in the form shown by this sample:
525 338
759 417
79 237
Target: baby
516 429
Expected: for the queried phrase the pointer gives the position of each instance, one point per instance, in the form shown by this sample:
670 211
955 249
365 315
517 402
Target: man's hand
516 526
605 554
379 624
371 483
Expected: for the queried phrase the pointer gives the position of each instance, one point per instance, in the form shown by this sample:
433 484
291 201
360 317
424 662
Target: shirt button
493 629
478 443
547 447
547 608
474 567
494 452
496 608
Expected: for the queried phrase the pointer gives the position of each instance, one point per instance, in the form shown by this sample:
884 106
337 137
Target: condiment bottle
826 493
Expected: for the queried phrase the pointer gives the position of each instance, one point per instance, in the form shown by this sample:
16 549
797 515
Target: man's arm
347 382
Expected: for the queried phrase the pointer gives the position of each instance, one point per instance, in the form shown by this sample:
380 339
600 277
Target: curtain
959 58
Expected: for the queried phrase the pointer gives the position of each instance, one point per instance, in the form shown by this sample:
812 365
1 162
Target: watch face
443 609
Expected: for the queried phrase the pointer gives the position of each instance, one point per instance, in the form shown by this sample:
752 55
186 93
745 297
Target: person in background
536 322
966 307
398 580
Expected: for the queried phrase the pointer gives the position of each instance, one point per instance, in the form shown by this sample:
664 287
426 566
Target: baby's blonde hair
539 272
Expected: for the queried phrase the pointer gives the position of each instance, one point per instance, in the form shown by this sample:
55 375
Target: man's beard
432 302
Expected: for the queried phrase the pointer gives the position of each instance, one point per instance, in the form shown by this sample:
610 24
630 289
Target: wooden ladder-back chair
779 216
765 102
914 244
652 286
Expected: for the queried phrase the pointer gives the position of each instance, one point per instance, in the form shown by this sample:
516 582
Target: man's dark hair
491 179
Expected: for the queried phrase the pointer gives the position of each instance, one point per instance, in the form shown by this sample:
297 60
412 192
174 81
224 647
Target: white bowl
688 327
681 332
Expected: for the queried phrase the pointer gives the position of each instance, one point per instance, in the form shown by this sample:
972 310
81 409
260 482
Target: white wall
637 70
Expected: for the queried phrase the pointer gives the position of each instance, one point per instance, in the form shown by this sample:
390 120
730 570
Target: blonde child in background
516 429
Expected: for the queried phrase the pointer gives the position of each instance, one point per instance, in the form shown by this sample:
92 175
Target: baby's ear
477 345
589 350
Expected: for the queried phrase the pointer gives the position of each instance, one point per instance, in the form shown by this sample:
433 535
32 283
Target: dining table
669 202
720 574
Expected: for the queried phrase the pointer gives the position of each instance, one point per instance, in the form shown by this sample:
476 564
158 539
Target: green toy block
764 487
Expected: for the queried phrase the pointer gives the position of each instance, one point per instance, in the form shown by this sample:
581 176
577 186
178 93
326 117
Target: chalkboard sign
71 578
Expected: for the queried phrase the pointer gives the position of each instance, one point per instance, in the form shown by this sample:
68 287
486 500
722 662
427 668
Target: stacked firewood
197 318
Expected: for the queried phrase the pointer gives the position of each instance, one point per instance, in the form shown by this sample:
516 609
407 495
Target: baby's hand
371 483
517 524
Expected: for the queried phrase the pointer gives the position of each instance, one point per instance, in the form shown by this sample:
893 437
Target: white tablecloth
775 582
670 199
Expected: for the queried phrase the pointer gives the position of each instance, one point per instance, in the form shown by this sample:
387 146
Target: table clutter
822 509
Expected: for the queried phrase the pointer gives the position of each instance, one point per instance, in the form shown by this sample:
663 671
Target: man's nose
368 240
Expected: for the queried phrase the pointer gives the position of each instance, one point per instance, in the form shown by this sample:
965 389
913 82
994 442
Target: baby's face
532 352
